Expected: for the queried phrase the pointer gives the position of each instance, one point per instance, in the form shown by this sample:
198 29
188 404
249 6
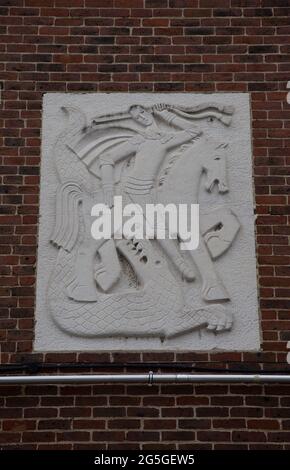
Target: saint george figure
149 147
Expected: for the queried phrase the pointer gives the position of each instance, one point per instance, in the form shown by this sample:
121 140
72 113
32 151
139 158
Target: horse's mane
173 159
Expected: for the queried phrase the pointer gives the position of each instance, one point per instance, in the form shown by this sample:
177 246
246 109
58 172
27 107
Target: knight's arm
173 120
110 158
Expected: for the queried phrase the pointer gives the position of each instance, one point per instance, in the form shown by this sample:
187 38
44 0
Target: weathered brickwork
128 46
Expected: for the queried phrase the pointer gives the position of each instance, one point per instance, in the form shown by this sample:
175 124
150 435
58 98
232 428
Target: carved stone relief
146 294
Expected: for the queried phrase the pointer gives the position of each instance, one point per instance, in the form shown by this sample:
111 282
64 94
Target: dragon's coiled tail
146 310
156 309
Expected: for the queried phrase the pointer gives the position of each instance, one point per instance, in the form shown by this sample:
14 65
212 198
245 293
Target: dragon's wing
98 139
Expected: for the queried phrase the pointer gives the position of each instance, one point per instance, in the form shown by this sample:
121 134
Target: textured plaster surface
236 267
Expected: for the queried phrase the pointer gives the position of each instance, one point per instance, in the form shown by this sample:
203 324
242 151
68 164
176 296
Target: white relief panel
130 294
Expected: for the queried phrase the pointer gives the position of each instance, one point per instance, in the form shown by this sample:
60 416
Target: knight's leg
168 245
82 286
212 286
107 270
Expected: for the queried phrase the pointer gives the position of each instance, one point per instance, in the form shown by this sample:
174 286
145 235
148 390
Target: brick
248 436
159 423
262 424
229 423
43 412
212 411
124 424
111 436
216 436
107 412
246 412
88 424
9 437
194 423
18 425
178 436
143 412
54 424
73 436
38 436
279 436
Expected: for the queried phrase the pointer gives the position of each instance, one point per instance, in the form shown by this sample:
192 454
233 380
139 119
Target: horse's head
214 165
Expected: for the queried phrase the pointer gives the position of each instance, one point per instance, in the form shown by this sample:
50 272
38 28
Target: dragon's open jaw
222 186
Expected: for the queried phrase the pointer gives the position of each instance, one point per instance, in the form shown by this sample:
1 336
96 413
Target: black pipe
35 367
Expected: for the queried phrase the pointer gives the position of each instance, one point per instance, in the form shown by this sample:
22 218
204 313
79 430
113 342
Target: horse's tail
66 228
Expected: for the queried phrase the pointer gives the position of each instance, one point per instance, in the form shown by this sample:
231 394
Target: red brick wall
144 45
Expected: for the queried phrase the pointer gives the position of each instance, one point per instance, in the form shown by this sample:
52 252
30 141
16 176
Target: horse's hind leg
82 286
172 251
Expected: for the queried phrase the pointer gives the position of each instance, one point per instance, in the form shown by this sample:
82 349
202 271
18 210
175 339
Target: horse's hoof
186 271
216 245
220 321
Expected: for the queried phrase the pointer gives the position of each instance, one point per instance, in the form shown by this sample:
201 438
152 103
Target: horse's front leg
82 286
212 286
219 229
